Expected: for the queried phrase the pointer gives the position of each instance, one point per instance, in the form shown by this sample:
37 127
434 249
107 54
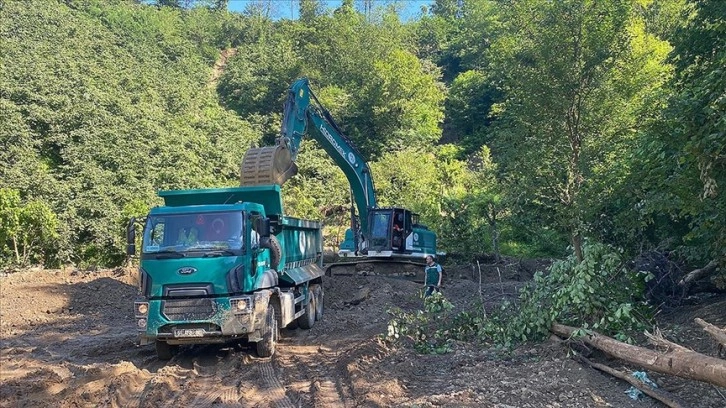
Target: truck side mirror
263 227
131 237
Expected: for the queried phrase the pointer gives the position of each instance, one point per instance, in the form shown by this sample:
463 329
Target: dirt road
69 340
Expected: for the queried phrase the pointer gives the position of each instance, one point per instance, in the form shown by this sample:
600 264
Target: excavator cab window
381 222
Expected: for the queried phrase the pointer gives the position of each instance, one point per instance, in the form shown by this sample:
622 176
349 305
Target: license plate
188 332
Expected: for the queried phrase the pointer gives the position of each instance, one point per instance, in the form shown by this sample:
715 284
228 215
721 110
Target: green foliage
426 331
682 155
28 231
408 178
468 107
572 106
598 293
110 106
593 133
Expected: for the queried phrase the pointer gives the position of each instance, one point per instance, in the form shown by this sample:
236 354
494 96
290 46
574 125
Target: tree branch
718 334
660 395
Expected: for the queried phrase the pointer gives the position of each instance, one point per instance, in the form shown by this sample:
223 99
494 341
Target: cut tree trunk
680 362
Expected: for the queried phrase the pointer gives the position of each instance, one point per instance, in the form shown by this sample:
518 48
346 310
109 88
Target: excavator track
394 268
267 165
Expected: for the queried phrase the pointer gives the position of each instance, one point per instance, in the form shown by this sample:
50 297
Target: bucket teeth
267 165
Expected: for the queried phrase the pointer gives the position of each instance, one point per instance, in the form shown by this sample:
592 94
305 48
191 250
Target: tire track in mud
326 393
210 376
273 386
202 376
319 367
211 383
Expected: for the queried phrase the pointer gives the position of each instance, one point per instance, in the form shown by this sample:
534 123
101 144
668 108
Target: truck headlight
141 309
141 324
242 305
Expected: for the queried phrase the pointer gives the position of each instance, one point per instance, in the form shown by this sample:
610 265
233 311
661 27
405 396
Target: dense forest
521 127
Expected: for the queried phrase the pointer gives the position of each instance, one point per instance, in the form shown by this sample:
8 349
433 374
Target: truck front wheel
266 346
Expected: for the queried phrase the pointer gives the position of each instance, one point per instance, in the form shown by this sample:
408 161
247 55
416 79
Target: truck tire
307 320
266 346
165 351
318 291
275 252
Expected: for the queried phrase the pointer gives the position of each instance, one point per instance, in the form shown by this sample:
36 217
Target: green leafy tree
27 231
112 105
310 10
683 155
468 109
575 92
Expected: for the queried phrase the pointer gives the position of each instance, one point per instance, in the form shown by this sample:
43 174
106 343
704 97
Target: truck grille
188 309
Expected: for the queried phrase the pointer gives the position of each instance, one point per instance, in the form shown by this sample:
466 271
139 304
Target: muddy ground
69 340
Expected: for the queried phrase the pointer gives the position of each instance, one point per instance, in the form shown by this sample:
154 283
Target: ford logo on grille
187 270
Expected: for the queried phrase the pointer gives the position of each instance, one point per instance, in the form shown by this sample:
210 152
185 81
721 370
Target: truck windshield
194 233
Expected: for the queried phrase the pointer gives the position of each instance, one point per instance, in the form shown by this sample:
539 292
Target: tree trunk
679 362
17 253
704 286
577 246
492 216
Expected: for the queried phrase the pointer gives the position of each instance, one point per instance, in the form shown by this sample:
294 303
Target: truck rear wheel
266 346
307 320
165 351
318 291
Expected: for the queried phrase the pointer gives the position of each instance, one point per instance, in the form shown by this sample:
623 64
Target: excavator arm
303 116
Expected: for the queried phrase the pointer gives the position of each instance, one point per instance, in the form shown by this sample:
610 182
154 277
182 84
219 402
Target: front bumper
203 320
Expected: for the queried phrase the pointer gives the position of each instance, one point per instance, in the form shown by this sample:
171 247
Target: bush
597 293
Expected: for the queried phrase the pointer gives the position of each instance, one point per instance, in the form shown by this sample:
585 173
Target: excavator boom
305 115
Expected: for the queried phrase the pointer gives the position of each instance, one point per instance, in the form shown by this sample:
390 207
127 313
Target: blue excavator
379 240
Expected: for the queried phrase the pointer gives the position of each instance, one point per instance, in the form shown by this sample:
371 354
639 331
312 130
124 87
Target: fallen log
662 396
680 361
697 274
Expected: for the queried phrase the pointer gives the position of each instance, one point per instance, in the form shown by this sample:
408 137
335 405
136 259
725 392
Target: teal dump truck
219 265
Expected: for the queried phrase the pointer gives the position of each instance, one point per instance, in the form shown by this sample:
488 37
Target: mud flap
259 313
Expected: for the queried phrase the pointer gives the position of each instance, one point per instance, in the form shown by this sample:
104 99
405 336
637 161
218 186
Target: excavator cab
389 230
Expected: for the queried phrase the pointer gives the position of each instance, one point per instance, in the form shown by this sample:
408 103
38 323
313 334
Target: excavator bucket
267 165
